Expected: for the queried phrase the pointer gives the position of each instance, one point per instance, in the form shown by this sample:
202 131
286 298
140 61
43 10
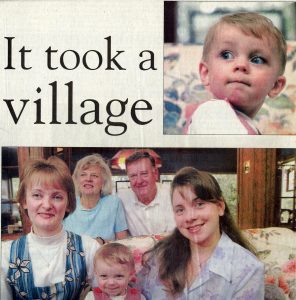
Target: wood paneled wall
256 187
24 154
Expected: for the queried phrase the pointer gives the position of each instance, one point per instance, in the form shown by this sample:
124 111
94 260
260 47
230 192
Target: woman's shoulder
242 256
233 262
88 241
111 200
6 245
111 197
5 249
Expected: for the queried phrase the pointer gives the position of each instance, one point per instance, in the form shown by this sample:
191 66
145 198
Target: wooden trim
24 154
256 187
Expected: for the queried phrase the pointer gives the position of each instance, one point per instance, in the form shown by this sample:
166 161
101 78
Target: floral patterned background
276 247
183 92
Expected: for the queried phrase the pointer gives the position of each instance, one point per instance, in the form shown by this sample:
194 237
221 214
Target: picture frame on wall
290 186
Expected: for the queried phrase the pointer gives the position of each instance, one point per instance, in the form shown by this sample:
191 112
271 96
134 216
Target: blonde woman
49 262
98 213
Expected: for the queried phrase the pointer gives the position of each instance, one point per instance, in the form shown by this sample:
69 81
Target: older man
147 204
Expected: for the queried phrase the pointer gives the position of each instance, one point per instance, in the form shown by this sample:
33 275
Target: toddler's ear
277 87
204 73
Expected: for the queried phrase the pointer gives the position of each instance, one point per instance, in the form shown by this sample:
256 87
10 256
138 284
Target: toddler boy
243 61
114 269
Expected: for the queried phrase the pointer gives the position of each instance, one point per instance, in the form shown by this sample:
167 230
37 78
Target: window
287 193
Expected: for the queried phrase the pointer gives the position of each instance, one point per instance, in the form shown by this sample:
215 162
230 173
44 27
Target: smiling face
196 219
46 204
112 278
242 69
90 181
142 176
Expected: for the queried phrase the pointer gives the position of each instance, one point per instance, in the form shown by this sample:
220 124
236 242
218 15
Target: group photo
147 223
148 150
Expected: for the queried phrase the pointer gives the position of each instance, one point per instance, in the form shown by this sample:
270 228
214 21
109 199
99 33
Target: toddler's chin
235 104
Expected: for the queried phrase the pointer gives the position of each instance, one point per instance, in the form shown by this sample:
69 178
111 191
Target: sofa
275 246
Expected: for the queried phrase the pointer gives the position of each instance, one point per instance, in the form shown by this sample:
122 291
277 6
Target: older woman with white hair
98 213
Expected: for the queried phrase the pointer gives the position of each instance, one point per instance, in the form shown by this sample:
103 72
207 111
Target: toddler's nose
241 65
242 68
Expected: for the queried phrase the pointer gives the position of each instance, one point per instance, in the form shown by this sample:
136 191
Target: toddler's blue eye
226 55
258 60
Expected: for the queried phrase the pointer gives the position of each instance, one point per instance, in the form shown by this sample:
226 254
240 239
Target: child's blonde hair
115 253
254 24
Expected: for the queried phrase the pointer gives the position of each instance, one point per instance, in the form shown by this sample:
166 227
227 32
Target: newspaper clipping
148 149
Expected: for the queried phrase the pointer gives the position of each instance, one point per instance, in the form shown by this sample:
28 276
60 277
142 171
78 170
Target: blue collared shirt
232 272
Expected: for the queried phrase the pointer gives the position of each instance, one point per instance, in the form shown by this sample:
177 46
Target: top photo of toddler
229 68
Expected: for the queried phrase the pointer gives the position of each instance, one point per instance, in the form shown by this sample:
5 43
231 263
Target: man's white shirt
156 217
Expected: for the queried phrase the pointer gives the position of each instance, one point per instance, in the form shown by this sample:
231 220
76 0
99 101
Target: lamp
118 160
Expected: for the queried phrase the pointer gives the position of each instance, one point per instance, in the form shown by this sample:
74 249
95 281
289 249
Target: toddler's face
242 69
112 278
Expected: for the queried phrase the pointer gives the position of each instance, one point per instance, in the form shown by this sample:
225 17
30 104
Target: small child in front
243 61
114 268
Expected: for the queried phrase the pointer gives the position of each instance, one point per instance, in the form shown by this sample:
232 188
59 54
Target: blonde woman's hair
94 160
